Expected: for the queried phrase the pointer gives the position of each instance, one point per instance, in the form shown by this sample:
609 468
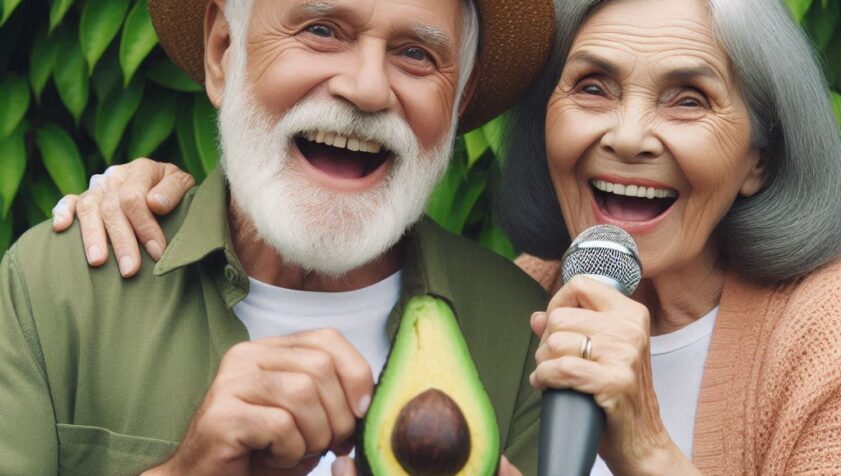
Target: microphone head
605 251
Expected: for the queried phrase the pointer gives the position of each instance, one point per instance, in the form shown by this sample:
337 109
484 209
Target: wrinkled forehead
436 16
658 36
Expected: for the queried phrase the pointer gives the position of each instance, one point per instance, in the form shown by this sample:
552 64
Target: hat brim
516 37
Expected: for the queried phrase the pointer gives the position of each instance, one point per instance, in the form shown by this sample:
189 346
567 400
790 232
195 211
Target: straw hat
515 40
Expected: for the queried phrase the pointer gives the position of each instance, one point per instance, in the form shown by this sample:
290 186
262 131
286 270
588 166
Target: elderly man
255 340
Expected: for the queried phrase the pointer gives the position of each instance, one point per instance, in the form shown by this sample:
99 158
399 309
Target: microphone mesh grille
603 261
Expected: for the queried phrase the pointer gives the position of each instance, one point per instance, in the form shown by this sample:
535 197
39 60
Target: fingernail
58 217
126 263
155 250
94 253
161 200
340 466
364 403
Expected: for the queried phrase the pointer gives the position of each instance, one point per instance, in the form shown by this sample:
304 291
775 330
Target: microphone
571 424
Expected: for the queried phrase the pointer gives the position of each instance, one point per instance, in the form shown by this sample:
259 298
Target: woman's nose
631 135
365 82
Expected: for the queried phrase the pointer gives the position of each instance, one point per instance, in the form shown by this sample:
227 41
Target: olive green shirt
101 375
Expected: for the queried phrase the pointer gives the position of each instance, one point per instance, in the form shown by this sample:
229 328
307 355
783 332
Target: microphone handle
571 426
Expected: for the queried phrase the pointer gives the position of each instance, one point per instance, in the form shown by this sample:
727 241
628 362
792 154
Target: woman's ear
217 43
757 175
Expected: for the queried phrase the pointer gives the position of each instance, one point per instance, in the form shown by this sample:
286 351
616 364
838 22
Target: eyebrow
600 63
312 9
435 38
686 74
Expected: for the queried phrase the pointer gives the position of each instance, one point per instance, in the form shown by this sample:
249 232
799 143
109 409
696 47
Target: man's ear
757 175
217 43
469 90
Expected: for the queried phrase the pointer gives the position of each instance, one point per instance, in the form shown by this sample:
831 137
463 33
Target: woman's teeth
633 190
352 143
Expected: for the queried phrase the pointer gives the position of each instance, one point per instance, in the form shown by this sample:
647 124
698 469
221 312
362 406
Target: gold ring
587 348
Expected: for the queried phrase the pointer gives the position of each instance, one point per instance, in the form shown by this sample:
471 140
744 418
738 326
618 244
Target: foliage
83 85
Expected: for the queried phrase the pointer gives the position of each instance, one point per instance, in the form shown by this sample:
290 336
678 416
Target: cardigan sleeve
546 273
818 451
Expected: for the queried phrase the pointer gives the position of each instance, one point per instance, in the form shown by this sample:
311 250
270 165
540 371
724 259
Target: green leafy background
84 84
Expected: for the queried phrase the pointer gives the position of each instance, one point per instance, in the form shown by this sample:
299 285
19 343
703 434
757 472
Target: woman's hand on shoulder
614 367
121 204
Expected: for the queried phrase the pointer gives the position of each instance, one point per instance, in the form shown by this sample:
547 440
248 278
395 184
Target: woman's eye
593 90
416 54
689 102
321 30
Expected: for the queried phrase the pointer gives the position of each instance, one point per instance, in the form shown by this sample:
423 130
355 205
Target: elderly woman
703 129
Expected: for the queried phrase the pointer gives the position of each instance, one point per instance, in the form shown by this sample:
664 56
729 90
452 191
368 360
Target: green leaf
836 106
441 201
71 78
61 158
12 166
205 131
9 7
42 61
113 115
495 134
107 76
466 198
494 239
138 39
476 145
187 141
152 124
57 11
44 197
166 74
5 234
14 101
820 23
99 24
799 8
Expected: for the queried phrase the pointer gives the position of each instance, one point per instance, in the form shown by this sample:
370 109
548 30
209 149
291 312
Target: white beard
321 230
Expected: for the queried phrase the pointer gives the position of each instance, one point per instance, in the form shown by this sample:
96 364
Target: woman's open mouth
632 203
346 158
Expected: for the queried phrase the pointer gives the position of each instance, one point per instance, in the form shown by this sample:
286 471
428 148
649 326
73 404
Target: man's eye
321 30
416 54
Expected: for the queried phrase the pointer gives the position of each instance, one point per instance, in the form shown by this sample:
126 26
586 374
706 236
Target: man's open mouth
340 156
632 202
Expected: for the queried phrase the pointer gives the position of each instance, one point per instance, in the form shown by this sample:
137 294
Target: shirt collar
205 228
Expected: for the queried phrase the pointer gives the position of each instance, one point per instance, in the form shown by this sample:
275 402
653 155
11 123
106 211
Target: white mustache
319 114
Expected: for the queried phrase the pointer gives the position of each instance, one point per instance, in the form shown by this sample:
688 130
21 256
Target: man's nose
365 82
631 134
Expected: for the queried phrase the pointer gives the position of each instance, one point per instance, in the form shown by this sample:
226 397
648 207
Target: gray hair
792 226
238 14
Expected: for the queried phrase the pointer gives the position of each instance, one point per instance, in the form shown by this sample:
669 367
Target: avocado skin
478 398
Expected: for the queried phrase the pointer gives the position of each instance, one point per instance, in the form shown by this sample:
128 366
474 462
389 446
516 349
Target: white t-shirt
360 316
677 366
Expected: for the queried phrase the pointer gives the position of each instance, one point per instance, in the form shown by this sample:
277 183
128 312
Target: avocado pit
431 436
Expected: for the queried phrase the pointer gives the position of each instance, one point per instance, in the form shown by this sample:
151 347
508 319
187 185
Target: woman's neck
680 297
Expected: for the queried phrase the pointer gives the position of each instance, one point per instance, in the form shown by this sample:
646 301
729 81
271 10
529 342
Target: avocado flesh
429 352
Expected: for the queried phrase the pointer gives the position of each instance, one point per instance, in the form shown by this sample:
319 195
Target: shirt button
231 274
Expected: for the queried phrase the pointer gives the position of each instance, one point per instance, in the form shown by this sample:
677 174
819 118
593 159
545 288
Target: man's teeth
351 143
633 190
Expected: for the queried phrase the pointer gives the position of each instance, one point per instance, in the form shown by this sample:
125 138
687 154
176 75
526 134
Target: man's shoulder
49 257
470 265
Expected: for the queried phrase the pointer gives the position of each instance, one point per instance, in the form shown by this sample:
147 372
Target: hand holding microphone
594 363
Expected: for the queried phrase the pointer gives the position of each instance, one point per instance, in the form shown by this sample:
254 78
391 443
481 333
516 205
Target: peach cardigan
770 400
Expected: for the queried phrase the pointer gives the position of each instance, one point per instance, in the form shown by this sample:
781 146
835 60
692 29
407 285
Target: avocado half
430 414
